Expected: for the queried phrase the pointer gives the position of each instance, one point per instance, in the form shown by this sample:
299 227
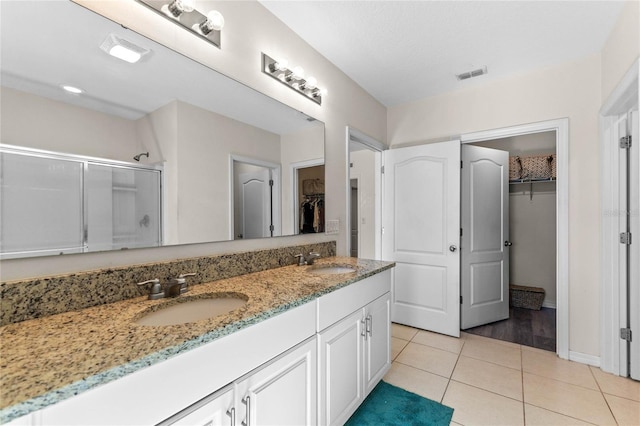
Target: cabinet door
216 410
284 392
377 341
341 369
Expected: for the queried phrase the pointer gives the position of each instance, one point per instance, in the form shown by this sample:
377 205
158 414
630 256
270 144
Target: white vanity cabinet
283 392
354 353
313 364
217 409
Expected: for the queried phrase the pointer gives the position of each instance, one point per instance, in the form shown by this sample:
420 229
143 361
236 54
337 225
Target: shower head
137 157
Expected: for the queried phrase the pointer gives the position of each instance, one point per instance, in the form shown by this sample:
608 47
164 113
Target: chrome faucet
155 289
308 260
173 288
178 286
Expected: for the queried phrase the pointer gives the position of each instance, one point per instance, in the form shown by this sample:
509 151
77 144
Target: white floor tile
414 380
473 406
429 359
492 377
439 341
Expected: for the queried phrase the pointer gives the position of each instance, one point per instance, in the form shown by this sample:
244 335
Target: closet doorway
530 241
557 130
308 197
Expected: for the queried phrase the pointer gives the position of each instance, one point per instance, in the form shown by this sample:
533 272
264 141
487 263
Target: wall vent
470 74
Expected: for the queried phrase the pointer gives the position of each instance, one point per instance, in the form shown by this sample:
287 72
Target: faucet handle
183 282
312 256
153 282
190 274
155 291
300 258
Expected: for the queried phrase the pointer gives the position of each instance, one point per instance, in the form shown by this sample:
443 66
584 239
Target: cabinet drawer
337 305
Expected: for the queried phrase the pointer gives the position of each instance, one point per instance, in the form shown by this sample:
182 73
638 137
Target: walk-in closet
532 229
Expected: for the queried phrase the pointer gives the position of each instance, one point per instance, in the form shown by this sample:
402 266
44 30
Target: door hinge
461 166
625 334
625 142
461 300
271 228
270 182
382 169
625 238
461 232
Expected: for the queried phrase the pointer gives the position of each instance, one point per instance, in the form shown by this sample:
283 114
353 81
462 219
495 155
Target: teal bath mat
390 405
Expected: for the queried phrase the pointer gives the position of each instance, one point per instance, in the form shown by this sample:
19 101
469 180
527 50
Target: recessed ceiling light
72 89
123 49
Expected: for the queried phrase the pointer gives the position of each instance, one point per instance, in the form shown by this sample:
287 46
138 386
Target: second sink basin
191 310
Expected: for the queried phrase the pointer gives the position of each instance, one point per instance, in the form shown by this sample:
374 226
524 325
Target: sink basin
191 310
331 269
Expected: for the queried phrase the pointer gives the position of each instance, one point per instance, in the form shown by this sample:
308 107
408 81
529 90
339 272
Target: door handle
452 248
508 243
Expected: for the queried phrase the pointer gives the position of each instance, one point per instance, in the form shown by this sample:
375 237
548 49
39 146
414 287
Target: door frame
561 128
613 292
276 202
355 135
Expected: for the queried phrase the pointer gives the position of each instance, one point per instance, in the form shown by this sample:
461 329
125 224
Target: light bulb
214 21
298 73
282 65
178 6
311 83
319 92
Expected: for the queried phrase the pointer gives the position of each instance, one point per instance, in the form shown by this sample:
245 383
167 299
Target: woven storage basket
313 186
526 297
515 168
539 167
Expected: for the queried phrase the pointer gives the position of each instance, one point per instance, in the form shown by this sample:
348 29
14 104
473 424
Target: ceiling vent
470 74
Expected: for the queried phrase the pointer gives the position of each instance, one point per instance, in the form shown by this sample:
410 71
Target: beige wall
571 90
622 47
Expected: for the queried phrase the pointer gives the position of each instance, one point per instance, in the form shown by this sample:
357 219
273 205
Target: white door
629 169
634 249
484 243
421 233
256 204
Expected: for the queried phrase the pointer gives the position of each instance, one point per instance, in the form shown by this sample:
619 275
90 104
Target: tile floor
493 382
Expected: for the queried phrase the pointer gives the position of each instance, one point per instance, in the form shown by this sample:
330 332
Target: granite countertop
46 360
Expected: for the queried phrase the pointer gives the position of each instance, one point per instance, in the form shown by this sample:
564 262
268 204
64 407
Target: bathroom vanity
307 347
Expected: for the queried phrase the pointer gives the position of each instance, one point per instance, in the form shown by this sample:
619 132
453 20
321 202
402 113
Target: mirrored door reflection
365 206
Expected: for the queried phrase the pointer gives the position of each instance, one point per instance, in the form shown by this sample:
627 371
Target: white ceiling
400 51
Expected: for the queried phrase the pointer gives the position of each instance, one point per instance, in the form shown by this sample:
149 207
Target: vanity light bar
182 12
293 78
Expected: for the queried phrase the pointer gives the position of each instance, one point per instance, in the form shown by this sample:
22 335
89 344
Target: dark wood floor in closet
525 327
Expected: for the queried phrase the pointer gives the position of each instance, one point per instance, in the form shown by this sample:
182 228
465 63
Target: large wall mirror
165 144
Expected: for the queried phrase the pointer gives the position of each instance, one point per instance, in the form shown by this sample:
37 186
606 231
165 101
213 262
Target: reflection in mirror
165 113
365 189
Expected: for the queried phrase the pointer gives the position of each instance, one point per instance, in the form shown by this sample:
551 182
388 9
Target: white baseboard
549 304
584 358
